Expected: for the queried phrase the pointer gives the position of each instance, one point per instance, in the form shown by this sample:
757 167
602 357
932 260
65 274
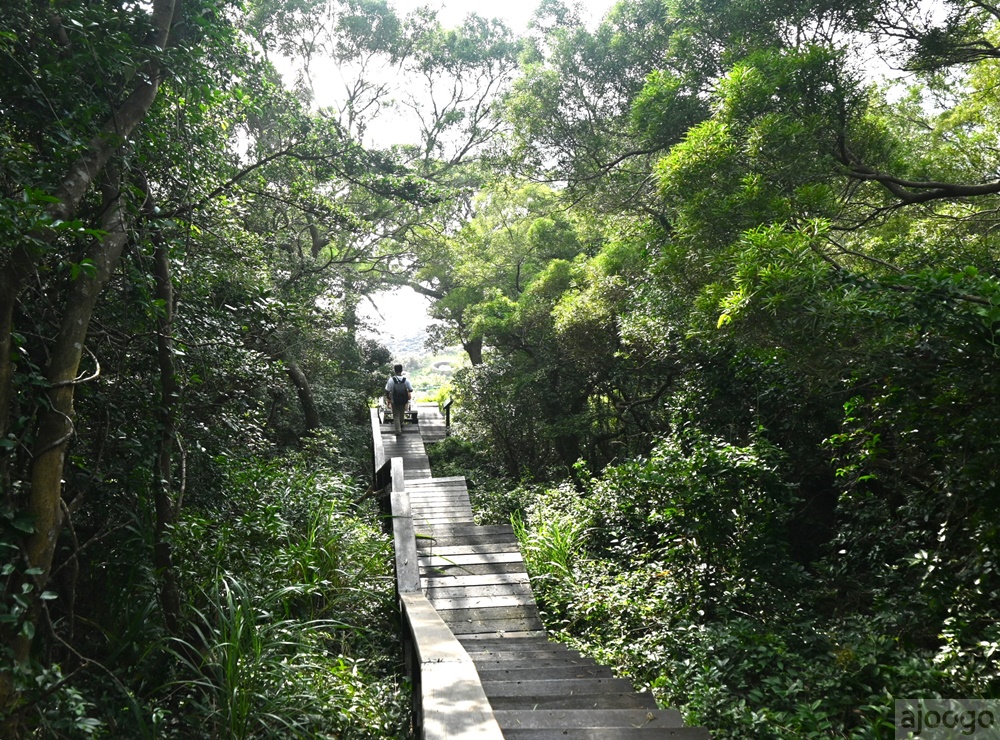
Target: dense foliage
185 542
730 302
749 426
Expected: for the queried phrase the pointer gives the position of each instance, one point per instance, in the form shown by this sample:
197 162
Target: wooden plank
430 518
556 687
472 637
476 602
407 563
445 479
442 518
443 507
487 653
467 539
473 529
437 507
443 484
430 486
485 579
484 593
608 733
509 642
430 495
474 559
452 699
462 627
533 674
469 570
429 491
535 661
472 592
440 502
441 550
444 515
588 718
490 613
620 700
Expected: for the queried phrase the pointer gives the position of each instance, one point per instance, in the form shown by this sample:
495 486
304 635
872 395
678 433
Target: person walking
398 393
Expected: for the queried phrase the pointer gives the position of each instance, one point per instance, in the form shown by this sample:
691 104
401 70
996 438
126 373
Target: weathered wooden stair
475 579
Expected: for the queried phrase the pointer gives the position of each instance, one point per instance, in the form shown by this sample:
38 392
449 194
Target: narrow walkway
475 578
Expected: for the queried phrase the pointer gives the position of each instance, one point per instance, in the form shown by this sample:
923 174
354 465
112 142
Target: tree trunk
170 600
78 180
474 349
306 398
55 426
317 242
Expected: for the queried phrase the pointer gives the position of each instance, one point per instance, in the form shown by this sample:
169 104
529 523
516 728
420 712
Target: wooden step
473 602
474 579
541 674
534 660
428 540
471 569
491 613
445 479
476 549
504 642
554 650
627 699
473 529
460 626
608 733
562 687
564 719
485 591
432 559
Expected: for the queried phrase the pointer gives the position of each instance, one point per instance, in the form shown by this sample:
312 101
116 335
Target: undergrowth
672 570
289 627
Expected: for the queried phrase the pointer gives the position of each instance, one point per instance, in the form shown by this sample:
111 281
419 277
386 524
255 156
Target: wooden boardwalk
475 579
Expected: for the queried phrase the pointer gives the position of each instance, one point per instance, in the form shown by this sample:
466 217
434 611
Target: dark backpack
400 395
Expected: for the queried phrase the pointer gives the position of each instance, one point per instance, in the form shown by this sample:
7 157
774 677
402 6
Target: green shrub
675 569
288 625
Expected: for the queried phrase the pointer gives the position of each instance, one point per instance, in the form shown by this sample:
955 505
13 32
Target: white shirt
389 384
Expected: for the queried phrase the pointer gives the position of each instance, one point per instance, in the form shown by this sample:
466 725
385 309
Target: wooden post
447 416
377 444
404 540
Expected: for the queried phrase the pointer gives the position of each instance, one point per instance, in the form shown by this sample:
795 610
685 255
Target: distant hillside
407 345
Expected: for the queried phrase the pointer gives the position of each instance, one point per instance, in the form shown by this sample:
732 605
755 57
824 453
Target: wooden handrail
377 443
451 703
447 415
403 538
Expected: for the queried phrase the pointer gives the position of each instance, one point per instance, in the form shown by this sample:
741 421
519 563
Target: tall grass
551 542
293 634
249 674
289 631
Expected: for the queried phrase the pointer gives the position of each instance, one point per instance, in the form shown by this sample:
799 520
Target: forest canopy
725 274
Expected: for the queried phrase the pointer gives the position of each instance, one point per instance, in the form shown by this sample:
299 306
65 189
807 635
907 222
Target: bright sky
516 13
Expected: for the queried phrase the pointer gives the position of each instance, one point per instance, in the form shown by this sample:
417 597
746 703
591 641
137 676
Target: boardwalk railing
449 701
